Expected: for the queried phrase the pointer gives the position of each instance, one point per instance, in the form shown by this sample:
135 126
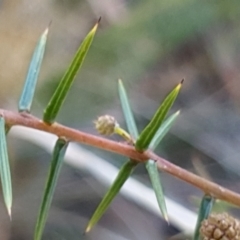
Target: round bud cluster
106 124
220 226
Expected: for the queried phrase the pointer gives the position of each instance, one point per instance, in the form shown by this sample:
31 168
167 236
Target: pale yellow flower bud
106 124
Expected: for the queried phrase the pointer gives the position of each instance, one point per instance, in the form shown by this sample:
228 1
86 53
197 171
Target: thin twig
27 120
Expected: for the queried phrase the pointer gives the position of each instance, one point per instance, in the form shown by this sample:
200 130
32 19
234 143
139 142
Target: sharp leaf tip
87 230
10 213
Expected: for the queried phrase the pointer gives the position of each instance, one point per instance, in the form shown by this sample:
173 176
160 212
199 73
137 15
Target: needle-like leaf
203 213
26 98
150 130
131 124
66 82
152 166
56 163
122 176
157 186
5 168
163 130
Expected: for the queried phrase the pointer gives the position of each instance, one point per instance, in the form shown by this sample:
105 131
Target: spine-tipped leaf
163 130
56 163
27 95
150 130
131 125
152 166
127 168
60 94
203 213
122 176
157 187
5 168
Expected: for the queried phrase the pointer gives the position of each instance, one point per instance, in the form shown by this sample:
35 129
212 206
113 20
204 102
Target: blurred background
151 45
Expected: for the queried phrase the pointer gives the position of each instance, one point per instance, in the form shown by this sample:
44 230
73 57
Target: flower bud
106 124
220 226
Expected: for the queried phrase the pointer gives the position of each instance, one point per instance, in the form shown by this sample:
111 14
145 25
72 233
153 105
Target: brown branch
206 186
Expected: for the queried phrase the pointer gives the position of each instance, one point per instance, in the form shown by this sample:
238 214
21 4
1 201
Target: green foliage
157 186
203 213
54 171
131 125
121 178
152 166
162 131
150 130
151 31
150 136
66 82
27 95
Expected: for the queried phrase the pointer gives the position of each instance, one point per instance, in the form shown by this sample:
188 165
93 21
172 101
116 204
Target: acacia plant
138 148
